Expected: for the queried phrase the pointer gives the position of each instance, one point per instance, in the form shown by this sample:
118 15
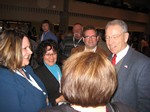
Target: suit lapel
48 74
126 63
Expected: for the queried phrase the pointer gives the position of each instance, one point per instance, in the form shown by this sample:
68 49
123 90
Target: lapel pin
126 66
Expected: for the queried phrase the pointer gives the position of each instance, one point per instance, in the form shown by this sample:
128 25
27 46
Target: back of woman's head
88 79
11 49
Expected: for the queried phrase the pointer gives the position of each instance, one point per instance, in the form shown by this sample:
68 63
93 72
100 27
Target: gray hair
121 23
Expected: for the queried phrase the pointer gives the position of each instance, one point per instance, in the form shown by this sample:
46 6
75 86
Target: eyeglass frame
93 36
50 54
113 36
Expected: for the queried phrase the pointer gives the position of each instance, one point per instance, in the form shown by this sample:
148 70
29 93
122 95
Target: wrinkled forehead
90 31
113 29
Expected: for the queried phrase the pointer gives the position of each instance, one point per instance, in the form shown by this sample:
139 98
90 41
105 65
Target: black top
111 107
50 82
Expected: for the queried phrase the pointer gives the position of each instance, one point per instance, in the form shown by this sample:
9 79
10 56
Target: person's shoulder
5 71
77 49
40 68
51 34
6 75
100 50
119 107
28 68
138 56
124 108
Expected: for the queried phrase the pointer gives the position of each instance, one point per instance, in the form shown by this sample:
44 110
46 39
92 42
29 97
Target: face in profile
116 39
50 56
26 51
90 39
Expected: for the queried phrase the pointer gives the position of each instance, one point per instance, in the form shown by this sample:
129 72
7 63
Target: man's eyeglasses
113 36
93 36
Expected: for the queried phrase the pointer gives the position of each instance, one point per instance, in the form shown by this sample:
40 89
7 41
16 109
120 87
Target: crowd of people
77 74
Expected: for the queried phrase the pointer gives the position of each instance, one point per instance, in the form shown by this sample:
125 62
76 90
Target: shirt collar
121 54
94 49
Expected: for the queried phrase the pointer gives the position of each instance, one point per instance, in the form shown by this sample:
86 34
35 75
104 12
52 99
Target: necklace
75 45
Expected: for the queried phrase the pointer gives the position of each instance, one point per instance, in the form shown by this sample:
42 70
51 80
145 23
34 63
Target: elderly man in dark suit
90 39
133 68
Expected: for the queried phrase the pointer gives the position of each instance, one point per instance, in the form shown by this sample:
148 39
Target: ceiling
135 5
139 3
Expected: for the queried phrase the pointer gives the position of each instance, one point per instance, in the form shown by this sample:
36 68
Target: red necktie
114 59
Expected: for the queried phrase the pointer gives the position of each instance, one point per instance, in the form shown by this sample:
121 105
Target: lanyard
31 80
75 45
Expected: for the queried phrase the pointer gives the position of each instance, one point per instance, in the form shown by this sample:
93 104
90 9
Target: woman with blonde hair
20 89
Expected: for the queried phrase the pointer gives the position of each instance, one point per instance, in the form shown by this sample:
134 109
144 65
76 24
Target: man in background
71 41
47 34
90 39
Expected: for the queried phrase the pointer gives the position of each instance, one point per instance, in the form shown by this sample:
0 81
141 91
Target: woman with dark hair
20 89
48 71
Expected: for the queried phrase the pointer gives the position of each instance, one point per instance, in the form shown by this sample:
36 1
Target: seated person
88 82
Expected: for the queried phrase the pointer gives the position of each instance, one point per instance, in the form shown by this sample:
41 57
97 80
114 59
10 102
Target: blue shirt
49 35
55 70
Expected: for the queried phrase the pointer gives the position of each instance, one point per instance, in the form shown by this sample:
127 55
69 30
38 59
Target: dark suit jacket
134 81
81 49
50 82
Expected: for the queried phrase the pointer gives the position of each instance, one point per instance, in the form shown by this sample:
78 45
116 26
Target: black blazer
50 82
